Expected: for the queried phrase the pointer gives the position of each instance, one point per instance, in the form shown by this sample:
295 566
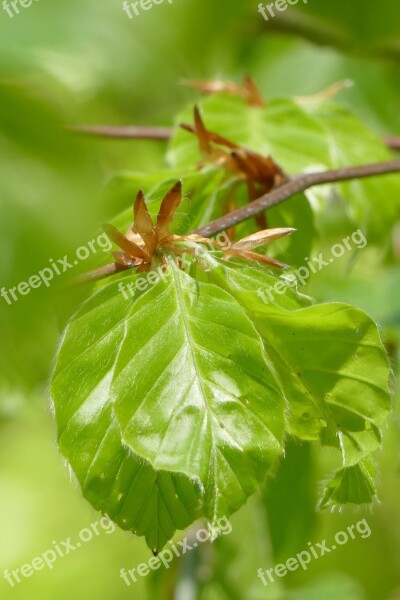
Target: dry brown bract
261 173
249 90
251 93
145 244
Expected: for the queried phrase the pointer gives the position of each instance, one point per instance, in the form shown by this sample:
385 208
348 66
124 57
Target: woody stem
295 185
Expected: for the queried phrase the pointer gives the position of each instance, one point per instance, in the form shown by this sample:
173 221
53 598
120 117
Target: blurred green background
69 62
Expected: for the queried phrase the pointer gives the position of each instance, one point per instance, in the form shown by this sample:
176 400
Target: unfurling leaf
173 403
260 173
115 480
146 247
332 366
188 396
175 392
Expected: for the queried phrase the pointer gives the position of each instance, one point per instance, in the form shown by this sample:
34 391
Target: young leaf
114 479
193 392
372 203
351 485
144 404
282 129
332 364
319 135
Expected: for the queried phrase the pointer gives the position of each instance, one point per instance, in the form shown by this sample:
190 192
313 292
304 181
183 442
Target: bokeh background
69 62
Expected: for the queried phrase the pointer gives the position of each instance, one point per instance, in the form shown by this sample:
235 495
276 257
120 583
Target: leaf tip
176 188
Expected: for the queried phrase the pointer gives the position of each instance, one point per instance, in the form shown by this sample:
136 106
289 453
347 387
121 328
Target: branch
138 132
97 274
133 132
295 185
392 142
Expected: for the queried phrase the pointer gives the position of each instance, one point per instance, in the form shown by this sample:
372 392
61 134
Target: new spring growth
146 245
260 173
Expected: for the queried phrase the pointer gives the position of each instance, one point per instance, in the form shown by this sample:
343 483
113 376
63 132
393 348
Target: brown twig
295 185
392 142
132 132
97 274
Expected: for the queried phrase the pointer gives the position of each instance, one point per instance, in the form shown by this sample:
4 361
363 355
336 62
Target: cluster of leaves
175 403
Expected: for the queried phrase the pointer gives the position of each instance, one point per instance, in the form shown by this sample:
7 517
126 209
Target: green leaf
173 402
295 212
373 203
281 129
112 477
301 137
152 410
351 485
327 355
332 364
194 393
